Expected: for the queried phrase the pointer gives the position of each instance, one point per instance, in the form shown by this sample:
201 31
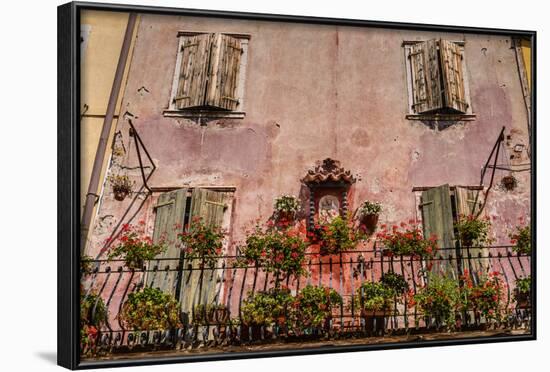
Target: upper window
209 75
437 80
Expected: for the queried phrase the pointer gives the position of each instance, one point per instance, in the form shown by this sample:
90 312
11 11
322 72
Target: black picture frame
69 181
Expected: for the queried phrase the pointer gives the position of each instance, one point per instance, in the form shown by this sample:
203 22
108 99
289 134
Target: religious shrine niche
328 185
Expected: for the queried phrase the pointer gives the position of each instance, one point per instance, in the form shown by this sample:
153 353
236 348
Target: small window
209 75
437 82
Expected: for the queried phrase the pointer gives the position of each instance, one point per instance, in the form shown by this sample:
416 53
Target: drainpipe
91 195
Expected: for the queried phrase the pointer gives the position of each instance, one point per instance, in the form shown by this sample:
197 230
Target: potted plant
407 240
522 293
374 301
150 309
122 186
93 314
281 252
313 307
210 314
486 297
441 300
521 239
509 182
86 265
473 231
135 247
336 236
203 242
368 215
286 207
268 309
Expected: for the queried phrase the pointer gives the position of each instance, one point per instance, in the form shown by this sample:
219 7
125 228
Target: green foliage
396 282
473 231
440 299
281 251
370 208
487 297
313 305
135 247
150 309
93 314
267 308
407 239
523 285
521 239
375 296
287 204
203 242
86 264
336 236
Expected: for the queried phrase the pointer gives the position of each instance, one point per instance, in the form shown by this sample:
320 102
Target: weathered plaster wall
314 92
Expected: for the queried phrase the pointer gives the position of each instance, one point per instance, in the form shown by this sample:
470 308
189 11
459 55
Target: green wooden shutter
196 289
195 57
224 72
437 217
466 205
170 211
453 79
425 76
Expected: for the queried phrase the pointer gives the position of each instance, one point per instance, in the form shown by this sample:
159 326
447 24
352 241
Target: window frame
436 116
211 113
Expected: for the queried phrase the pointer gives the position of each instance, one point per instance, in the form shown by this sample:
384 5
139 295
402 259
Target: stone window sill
208 114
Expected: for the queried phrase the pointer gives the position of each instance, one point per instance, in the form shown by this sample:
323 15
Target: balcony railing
229 284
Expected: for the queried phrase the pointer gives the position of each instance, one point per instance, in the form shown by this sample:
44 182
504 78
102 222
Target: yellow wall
526 52
100 55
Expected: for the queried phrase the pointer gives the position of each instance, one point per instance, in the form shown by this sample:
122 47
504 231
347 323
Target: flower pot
369 221
523 299
120 194
285 216
374 321
509 182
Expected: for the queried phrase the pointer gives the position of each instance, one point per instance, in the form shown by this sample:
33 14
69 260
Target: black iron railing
228 284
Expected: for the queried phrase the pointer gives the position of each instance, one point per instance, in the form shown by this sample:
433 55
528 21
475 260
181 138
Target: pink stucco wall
312 92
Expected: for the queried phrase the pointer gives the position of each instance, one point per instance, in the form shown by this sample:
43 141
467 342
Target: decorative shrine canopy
328 171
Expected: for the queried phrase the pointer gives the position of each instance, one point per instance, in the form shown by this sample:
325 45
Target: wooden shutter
437 217
425 77
193 71
210 206
466 205
224 72
453 76
170 211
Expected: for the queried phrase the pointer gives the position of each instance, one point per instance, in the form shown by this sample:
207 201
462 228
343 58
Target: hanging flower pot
122 186
286 207
368 215
509 182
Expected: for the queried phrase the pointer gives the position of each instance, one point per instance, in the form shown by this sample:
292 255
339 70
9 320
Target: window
437 80
209 75
440 207
174 210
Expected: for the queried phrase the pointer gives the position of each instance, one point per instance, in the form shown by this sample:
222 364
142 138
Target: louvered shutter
193 71
453 77
169 215
196 288
224 72
425 76
466 205
437 218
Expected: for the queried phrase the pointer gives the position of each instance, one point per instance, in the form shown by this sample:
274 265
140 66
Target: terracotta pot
285 216
374 321
120 194
523 300
369 221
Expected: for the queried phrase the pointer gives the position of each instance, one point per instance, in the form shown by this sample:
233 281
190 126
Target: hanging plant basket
509 182
122 186
369 221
